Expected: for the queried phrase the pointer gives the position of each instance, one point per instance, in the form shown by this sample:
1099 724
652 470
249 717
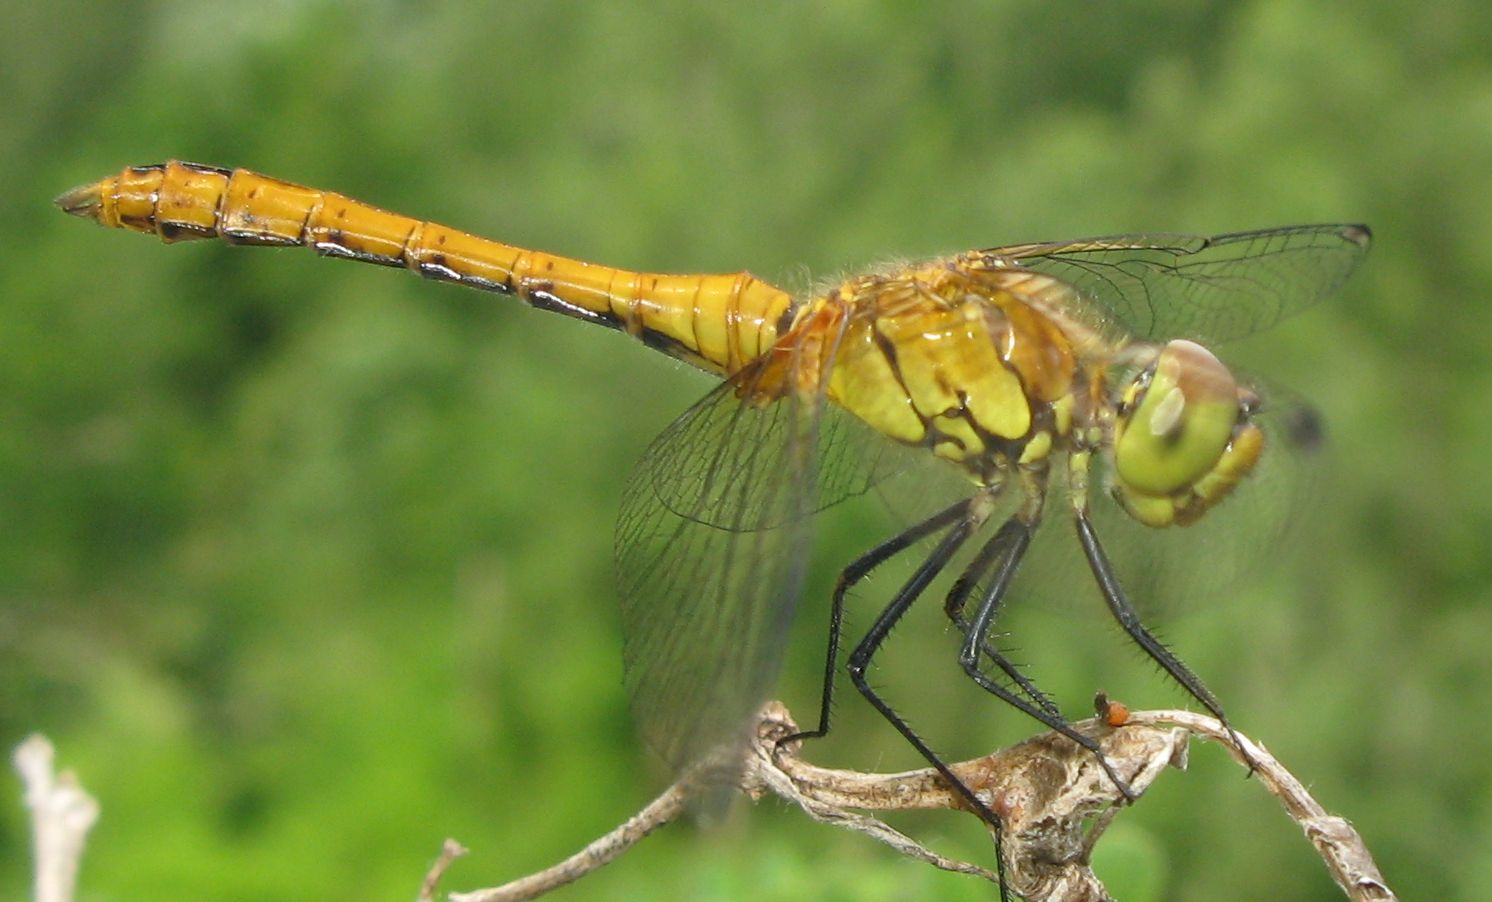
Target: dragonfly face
998 361
1183 436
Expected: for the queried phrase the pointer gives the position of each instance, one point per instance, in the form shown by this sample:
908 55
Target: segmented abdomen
718 322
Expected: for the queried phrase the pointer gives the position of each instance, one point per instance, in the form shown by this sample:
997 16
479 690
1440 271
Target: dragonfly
1078 373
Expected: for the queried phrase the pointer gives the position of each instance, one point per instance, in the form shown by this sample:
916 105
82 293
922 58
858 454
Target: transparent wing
712 547
1175 571
1207 289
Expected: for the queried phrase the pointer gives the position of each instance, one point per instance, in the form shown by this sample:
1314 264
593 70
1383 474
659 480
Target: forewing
1208 289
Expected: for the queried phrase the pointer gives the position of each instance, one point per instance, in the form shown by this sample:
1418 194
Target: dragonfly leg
958 597
1129 619
852 574
1001 556
860 658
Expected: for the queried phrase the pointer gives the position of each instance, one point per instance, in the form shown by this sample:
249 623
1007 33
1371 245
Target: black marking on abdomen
343 252
177 231
666 344
202 168
483 283
438 270
257 238
541 299
144 223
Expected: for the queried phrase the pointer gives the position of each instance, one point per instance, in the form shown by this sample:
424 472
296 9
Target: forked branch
1054 798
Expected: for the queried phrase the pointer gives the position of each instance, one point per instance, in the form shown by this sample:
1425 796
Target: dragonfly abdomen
718 322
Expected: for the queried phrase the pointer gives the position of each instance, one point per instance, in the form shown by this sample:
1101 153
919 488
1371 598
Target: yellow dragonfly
1078 364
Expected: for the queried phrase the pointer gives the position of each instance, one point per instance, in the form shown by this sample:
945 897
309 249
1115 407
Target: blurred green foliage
306 566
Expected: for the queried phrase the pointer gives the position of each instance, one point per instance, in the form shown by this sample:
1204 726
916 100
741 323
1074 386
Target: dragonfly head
1183 436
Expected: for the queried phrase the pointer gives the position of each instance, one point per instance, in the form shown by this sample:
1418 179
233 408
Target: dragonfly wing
1208 289
712 546
1170 573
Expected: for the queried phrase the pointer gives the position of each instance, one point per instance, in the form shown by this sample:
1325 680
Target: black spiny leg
958 597
1010 545
860 658
1129 619
857 570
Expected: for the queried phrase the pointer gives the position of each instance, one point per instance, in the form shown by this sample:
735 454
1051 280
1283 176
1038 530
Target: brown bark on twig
1054 798
1338 843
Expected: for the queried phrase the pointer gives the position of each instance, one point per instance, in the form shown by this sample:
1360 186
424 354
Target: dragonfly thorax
953 359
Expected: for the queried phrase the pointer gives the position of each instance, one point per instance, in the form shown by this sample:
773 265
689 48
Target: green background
306 566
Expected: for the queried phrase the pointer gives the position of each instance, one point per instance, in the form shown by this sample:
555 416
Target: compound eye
1177 426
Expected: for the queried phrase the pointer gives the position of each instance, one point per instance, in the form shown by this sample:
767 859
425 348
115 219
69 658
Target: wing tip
1357 233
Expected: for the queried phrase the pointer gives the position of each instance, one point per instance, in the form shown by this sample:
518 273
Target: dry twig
1340 846
62 813
1053 796
450 850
